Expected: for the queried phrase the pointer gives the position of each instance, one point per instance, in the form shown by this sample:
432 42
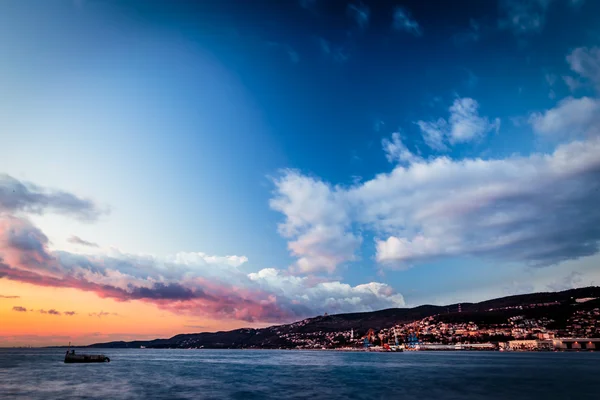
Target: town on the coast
548 321
517 333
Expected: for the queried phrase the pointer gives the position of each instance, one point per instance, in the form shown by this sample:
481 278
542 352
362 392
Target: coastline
345 350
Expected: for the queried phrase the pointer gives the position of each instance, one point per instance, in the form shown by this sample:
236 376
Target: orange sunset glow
94 319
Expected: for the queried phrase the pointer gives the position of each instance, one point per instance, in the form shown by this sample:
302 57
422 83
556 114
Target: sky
184 166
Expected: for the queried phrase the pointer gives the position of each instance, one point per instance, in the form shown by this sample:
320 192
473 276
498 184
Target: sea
287 374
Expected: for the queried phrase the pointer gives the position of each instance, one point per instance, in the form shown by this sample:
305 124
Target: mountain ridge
277 336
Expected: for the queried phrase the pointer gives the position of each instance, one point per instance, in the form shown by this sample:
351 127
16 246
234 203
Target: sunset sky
184 166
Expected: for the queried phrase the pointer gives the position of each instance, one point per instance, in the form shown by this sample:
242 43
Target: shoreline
345 350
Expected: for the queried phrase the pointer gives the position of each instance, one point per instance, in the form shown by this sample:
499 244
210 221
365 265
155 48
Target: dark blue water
232 374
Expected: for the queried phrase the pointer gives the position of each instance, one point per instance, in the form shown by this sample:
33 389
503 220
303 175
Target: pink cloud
24 257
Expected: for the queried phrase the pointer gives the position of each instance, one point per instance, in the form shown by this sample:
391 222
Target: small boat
71 357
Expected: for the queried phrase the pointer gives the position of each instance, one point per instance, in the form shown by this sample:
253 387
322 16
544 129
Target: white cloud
523 16
399 249
396 151
586 62
539 209
403 21
316 222
490 208
572 83
434 133
199 258
463 125
327 296
569 119
323 248
465 122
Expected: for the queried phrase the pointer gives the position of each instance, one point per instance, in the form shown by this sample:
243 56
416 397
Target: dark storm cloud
161 291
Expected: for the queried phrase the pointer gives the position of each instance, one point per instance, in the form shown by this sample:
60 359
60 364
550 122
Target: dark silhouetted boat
71 357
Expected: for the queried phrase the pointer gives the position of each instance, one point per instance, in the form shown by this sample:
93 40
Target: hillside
557 307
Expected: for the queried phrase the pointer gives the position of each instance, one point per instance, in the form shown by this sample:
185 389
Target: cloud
9 297
378 125
472 78
196 326
338 54
77 240
27 242
314 221
51 312
516 288
494 209
550 79
199 258
538 210
396 151
463 125
573 280
360 13
193 283
435 133
18 196
403 21
330 297
586 62
42 311
127 277
472 35
465 122
102 314
571 118
187 283
572 83
292 54
523 16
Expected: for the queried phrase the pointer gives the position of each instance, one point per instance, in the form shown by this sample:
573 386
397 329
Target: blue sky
335 141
